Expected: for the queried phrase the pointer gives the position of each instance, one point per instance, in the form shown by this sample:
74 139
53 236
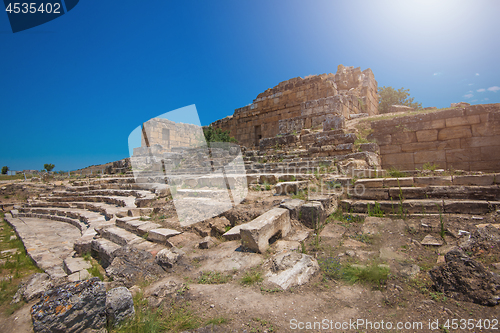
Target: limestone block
425 205
390 149
403 137
370 183
105 250
397 159
285 188
427 135
466 207
477 180
433 157
269 179
72 265
329 202
432 181
161 235
146 227
373 147
454 133
293 205
371 193
312 214
292 269
398 182
119 305
400 108
460 121
79 276
255 235
333 122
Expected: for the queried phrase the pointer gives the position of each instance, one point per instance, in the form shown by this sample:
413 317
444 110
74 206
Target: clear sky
73 89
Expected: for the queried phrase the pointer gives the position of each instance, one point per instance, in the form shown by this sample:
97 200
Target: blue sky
73 89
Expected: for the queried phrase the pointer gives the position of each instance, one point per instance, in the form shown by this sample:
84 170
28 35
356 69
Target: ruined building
304 103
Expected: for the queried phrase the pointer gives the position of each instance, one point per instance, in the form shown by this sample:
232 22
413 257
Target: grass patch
302 195
339 215
17 266
395 173
251 278
212 277
333 269
95 270
176 318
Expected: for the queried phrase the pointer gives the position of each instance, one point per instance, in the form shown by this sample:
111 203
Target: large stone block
475 142
72 307
466 207
463 155
457 132
432 181
285 188
390 149
161 235
397 159
255 235
293 205
477 180
398 182
333 122
416 146
427 135
312 214
430 156
460 121
403 137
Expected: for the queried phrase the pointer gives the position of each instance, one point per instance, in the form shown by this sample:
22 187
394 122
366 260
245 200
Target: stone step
429 192
122 202
75 222
82 215
104 249
119 236
161 235
424 206
468 180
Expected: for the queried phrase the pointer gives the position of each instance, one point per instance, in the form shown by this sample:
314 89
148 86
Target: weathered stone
72 307
105 250
400 108
479 180
329 202
37 284
432 181
207 243
255 235
146 227
80 275
333 122
233 233
161 235
466 207
292 269
285 188
465 279
168 257
398 182
312 214
293 205
431 240
219 225
73 265
119 305
373 147
131 265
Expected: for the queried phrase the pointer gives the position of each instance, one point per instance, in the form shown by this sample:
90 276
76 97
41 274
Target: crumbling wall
303 103
162 135
466 138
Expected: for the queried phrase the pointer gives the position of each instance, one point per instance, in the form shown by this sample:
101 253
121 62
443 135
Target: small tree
217 135
5 169
389 96
48 167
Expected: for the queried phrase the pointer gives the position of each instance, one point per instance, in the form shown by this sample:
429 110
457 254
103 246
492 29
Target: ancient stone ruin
319 192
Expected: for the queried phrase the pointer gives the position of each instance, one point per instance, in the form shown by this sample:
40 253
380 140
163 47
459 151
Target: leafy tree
217 135
5 169
389 96
48 167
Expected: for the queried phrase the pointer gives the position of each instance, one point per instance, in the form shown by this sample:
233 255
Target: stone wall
162 135
303 103
466 138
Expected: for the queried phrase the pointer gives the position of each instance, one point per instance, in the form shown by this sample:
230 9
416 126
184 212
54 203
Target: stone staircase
107 212
471 194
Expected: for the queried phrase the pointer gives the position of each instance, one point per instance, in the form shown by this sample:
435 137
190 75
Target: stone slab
255 235
161 235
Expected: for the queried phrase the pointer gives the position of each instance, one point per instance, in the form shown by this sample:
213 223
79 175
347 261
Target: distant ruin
304 103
